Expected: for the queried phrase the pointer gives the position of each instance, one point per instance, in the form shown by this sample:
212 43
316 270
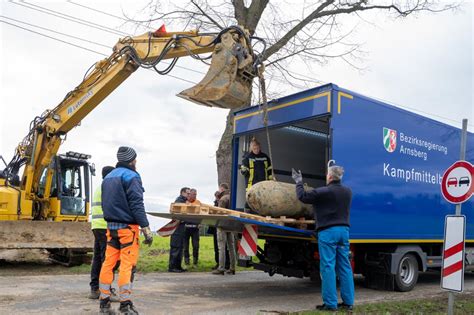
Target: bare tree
312 31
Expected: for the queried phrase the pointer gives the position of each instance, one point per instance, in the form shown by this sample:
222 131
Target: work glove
244 170
297 176
148 236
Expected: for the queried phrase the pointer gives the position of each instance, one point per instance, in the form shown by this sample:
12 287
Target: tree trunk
224 152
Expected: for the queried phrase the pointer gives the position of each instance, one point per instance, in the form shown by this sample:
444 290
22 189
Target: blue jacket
331 204
122 197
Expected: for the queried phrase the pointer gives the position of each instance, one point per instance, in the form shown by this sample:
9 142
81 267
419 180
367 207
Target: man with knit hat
124 211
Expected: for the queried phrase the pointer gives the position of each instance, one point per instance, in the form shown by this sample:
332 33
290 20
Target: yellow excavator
48 206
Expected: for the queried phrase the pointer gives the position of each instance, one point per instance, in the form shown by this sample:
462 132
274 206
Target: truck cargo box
393 159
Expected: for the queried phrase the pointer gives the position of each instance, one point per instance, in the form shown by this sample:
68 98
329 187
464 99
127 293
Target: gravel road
197 293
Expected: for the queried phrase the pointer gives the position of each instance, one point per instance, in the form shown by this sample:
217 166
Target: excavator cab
228 82
73 180
70 187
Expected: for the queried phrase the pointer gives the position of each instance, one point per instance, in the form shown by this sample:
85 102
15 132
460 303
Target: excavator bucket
228 82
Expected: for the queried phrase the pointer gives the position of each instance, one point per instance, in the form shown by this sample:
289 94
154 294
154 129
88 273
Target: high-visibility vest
98 221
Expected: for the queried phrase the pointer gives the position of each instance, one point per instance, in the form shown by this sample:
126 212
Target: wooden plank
204 209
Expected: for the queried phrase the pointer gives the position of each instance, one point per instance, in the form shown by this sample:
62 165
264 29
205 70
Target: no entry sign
452 274
457 186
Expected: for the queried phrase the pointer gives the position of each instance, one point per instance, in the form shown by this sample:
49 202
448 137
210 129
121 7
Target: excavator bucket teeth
225 85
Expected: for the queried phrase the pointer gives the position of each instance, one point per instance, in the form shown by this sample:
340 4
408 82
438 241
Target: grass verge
464 304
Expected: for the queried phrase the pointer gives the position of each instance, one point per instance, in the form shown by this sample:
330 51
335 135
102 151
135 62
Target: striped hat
126 154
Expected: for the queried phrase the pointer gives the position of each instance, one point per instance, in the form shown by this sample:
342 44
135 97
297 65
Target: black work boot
324 307
345 306
106 307
128 308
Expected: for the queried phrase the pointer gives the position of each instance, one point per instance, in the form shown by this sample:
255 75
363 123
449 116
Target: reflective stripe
249 184
124 297
104 286
97 216
104 296
265 163
104 291
97 203
126 287
125 291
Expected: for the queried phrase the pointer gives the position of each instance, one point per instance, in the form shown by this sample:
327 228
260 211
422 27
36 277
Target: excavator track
68 257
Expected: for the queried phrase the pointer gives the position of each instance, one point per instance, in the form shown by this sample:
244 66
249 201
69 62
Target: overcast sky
424 63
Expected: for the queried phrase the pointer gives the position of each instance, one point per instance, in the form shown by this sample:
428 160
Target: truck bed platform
232 220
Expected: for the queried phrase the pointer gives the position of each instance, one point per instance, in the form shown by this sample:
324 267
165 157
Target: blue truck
394 162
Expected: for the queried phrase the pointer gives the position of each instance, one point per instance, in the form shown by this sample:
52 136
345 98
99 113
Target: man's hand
297 176
244 170
148 236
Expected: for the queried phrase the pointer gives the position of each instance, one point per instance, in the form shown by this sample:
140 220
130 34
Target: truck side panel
394 162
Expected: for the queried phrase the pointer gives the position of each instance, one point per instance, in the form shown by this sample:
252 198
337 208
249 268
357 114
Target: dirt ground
198 293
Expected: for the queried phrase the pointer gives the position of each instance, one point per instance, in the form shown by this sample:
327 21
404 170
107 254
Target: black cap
106 170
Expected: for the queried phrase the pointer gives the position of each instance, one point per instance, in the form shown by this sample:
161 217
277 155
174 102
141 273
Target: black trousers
193 233
176 247
216 251
100 244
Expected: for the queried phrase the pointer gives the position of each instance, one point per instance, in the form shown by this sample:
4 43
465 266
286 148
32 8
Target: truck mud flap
377 274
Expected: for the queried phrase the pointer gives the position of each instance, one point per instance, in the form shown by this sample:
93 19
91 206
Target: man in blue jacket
331 206
124 211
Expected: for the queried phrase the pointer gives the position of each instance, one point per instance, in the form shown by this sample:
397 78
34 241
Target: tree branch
254 14
351 7
206 15
240 11
298 27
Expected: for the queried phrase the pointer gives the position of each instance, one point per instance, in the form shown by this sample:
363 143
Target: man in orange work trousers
124 211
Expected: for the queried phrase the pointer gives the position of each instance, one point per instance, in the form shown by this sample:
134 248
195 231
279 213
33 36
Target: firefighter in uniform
124 211
99 229
256 166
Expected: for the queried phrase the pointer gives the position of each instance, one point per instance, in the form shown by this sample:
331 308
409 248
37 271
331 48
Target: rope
263 92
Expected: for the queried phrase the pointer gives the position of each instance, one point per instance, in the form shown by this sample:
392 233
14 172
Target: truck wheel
407 273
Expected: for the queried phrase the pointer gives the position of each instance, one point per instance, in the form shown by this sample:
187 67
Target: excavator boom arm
226 85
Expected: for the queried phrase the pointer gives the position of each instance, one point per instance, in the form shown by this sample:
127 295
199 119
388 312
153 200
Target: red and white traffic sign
457 185
248 243
452 275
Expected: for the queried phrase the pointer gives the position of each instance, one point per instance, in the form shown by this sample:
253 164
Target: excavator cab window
73 183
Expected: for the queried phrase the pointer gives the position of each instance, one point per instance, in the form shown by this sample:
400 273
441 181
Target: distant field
155 258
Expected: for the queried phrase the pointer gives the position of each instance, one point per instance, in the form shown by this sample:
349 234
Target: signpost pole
458 206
